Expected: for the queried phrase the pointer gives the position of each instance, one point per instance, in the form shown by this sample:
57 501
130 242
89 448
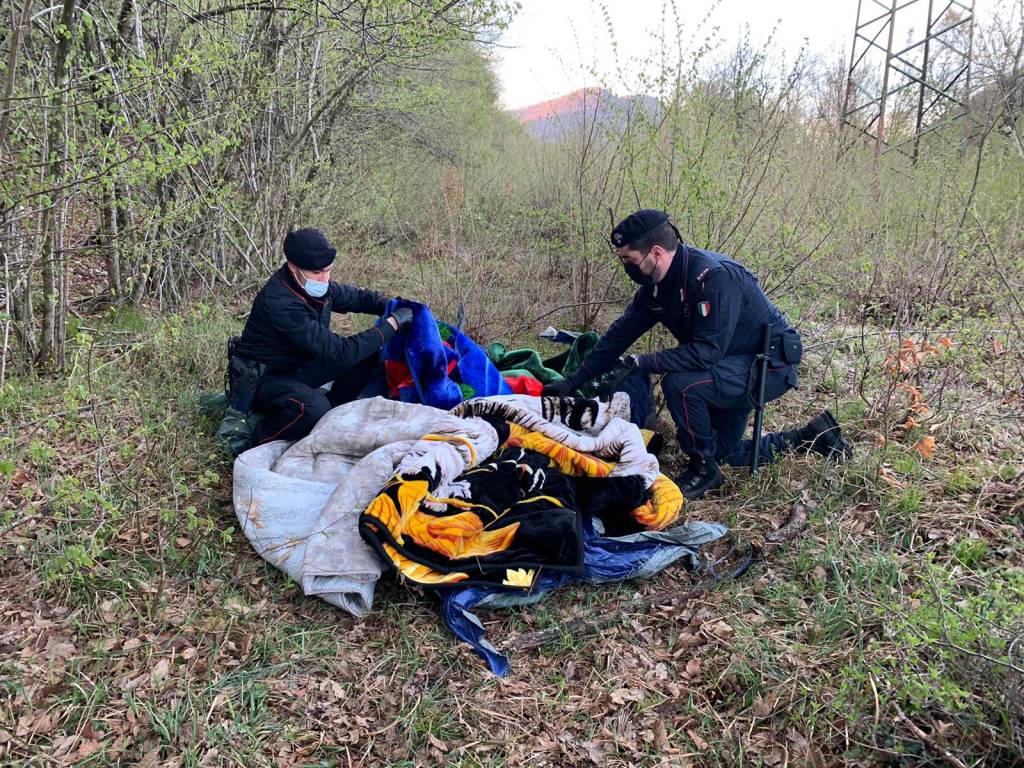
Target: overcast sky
551 43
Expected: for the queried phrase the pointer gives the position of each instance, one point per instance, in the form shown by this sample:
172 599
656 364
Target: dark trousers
292 404
711 410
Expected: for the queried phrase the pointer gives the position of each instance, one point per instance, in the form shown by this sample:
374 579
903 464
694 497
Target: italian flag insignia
704 308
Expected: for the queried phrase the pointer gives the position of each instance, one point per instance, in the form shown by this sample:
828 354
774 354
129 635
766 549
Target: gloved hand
627 366
562 388
401 318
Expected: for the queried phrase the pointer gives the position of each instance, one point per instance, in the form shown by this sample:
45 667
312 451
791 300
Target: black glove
402 317
563 388
627 366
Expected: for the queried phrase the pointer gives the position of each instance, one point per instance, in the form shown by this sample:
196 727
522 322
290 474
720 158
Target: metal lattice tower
898 92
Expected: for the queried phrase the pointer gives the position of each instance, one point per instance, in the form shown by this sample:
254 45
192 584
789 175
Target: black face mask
638 277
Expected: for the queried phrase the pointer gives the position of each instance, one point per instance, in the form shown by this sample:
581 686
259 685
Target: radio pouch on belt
787 348
792 348
243 377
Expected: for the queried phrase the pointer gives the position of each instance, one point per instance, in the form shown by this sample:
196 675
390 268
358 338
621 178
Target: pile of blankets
465 489
494 502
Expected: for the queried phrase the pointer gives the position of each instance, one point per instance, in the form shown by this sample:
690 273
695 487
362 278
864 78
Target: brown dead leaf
622 695
150 760
86 748
436 742
131 644
19 477
698 742
159 671
925 446
595 752
693 669
720 629
659 736
819 573
765 705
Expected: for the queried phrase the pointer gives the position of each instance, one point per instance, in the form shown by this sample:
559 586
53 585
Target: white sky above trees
551 44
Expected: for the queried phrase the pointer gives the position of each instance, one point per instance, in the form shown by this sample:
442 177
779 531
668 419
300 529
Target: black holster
243 378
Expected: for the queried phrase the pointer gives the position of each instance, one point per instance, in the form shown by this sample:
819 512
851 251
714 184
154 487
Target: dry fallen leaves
20 477
719 629
159 672
698 742
925 446
693 669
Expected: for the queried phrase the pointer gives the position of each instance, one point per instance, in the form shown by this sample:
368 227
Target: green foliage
949 650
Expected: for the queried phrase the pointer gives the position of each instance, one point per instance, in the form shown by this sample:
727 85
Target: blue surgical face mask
314 288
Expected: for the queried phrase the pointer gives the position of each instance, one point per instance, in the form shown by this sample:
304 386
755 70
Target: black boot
699 479
821 435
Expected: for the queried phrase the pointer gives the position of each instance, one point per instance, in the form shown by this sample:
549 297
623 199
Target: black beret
308 249
636 225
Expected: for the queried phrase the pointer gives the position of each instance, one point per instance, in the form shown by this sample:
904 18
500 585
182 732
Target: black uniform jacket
287 328
713 306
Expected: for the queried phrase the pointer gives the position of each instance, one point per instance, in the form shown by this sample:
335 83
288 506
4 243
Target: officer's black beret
636 225
308 249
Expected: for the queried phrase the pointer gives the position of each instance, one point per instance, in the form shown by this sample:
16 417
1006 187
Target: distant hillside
579 109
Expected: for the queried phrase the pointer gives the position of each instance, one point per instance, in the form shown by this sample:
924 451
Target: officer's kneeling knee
682 381
316 406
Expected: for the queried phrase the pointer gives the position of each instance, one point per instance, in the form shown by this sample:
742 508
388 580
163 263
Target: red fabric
398 376
524 385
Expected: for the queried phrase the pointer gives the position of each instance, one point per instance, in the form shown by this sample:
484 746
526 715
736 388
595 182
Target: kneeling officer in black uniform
718 312
288 351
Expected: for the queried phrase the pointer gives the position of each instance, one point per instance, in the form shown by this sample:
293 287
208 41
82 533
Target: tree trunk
108 213
51 348
12 68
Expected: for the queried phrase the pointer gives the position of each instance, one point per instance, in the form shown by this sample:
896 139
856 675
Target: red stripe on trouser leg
302 411
686 410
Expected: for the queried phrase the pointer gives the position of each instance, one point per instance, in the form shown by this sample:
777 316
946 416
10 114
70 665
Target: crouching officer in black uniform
718 312
288 351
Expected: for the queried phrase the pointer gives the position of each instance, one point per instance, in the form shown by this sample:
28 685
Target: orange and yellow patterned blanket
503 521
